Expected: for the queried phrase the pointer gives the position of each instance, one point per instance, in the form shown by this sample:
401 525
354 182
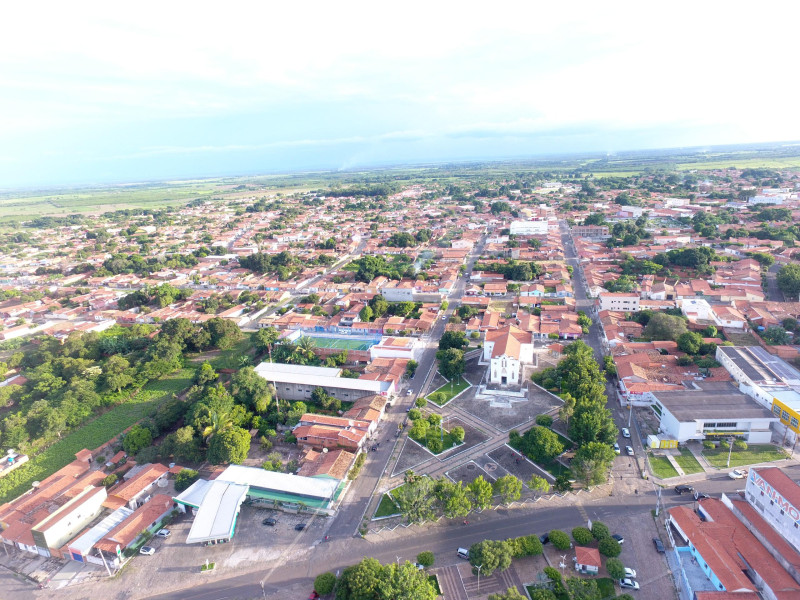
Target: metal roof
216 517
296 485
87 541
317 377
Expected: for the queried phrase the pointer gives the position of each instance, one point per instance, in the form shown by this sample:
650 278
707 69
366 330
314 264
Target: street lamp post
730 449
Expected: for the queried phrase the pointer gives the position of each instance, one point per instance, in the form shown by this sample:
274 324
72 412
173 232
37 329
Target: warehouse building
712 410
297 382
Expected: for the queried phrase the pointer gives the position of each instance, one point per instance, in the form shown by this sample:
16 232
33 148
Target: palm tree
306 345
220 420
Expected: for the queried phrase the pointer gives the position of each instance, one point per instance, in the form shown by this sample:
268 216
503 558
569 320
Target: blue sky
105 92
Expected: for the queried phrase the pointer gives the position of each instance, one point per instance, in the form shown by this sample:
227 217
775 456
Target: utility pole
730 449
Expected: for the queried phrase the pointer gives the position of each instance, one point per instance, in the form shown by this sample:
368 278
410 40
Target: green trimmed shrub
600 530
582 536
609 547
559 539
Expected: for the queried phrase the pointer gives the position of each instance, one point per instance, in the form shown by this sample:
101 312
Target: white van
463 553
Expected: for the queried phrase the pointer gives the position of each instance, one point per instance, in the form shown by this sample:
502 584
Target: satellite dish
36 484
324 450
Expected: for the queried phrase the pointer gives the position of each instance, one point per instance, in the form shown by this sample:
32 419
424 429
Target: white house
625 302
533 227
507 350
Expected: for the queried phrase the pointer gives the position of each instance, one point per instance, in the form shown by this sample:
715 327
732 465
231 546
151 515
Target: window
776 410
771 502
794 422
781 512
784 416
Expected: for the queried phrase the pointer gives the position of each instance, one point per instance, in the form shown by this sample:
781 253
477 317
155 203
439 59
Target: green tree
542 594
600 530
539 484
185 478
229 446
415 499
609 547
591 463
109 480
453 339
582 536
776 336
137 438
205 374
366 314
689 342
541 444
263 339
453 498
451 363
251 390
559 539
509 488
324 583
582 589
615 568
492 554
567 409
458 433
480 491
426 559
664 327
788 279
511 593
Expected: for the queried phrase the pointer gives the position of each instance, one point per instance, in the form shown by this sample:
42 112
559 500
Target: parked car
625 432
544 538
659 546
616 448
683 489
300 527
269 521
700 495
419 567
147 550
619 538
737 474
629 584
629 450
409 392
165 533
630 573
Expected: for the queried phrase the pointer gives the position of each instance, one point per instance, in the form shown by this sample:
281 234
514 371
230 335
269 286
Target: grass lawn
95 433
739 458
564 441
450 390
606 586
561 596
554 467
435 583
387 507
688 462
662 468
228 359
447 443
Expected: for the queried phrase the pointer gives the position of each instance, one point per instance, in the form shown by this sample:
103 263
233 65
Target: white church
507 350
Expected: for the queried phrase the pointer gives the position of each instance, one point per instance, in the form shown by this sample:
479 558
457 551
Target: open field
450 390
94 434
688 462
662 468
739 458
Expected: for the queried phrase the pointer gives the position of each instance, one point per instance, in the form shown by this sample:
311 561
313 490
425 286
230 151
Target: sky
117 92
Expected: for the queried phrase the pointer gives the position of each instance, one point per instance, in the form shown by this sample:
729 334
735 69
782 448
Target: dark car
620 540
270 521
700 495
300 527
544 538
683 489
659 546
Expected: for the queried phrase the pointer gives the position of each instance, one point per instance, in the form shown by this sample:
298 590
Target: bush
609 547
458 433
553 573
582 536
615 568
740 444
289 438
544 420
420 402
414 414
559 539
185 478
724 444
324 583
426 559
709 445
434 442
109 480
600 530
530 545
356 468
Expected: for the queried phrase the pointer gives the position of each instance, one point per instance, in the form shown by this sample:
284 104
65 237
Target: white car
737 474
165 533
616 448
409 392
630 573
625 432
629 583
629 450
147 550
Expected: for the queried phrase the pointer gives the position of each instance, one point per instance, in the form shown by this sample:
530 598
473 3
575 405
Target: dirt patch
469 472
506 412
516 464
412 455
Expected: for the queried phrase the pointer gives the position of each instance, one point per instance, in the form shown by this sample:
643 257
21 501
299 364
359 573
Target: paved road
774 293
